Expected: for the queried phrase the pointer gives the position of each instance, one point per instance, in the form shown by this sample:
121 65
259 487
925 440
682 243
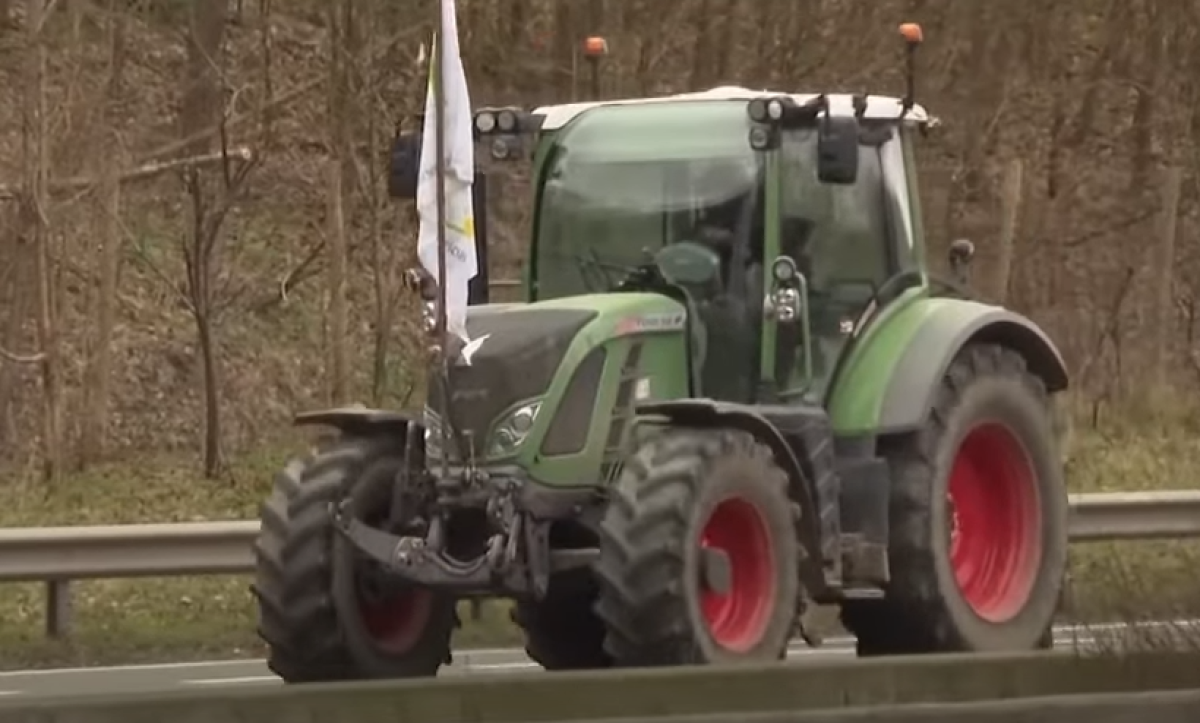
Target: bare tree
1164 266
96 391
340 17
34 201
339 343
212 196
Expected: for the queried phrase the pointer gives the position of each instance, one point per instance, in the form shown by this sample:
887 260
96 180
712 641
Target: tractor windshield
625 180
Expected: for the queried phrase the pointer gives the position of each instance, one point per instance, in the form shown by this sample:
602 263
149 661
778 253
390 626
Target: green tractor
734 391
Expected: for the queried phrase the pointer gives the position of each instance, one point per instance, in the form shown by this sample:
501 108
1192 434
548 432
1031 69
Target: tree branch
141 173
9 356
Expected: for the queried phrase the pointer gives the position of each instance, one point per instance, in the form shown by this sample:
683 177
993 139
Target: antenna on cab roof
913 37
595 48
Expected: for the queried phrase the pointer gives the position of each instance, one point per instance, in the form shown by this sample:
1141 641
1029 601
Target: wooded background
195 239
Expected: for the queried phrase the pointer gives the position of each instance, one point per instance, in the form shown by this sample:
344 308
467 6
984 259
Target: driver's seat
719 328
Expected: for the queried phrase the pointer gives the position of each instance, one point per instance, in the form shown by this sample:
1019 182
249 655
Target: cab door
843 240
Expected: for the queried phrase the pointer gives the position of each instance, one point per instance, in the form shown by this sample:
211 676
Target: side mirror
404 165
837 150
961 253
404 169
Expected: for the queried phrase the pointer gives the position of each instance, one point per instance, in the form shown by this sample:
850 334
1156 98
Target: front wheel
699 555
979 519
324 613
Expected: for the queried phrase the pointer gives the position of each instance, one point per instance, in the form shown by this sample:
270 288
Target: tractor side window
840 232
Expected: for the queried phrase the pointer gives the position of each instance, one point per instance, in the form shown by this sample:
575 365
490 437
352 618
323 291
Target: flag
461 261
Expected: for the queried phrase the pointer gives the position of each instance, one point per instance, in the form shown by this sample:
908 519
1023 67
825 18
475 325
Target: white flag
461 262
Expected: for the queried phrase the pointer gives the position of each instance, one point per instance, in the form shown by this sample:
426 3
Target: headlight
757 109
429 316
501 149
506 121
512 430
485 122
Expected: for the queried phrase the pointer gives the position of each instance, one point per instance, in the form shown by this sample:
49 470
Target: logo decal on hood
662 321
471 347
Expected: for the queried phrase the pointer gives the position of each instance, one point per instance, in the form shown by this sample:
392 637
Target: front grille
573 418
622 413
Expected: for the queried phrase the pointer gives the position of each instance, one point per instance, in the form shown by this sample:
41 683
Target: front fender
890 385
360 421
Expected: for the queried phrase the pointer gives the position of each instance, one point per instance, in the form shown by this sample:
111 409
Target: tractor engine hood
516 353
515 350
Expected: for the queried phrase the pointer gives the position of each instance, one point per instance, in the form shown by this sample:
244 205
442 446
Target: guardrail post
58 608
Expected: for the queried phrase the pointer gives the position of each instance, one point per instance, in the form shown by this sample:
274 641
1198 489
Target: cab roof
879 107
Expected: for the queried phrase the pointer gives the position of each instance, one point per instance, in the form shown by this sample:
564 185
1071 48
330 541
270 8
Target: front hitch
424 561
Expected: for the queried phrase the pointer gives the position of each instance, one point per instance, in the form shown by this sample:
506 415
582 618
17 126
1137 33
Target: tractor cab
778 233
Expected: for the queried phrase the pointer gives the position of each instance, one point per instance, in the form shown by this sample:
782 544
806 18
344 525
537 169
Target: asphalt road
229 673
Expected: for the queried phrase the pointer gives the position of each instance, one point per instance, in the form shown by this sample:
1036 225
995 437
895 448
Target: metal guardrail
998 688
1135 516
58 555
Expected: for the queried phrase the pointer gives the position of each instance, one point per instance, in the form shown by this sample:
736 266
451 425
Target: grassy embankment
181 619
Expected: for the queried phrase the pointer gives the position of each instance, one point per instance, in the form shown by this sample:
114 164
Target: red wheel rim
737 619
395 622
995 530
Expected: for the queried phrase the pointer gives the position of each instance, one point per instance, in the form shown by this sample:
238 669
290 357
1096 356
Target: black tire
989 445
562 631
677 486
313 612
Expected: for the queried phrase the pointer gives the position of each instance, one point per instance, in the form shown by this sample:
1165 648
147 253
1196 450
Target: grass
1156 448
132 621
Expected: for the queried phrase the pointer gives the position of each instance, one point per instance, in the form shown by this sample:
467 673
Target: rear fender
707 413
890 376
918 371
360 421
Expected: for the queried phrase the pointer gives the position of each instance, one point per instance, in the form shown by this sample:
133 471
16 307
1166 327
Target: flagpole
439 135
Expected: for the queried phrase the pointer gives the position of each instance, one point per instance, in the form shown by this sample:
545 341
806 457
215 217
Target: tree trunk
97 384
1165 277
338 111
382 277
35 202
336 246
212 399
96 388
16 299
202 110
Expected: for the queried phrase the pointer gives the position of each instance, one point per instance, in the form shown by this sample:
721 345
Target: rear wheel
699 555
979 519
325 613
